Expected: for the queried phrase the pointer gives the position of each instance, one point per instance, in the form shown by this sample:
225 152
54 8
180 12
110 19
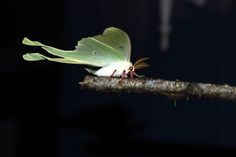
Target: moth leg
131 73
113 73
135 74
123 75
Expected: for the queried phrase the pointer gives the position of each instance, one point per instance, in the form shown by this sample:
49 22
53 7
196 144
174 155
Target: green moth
110 51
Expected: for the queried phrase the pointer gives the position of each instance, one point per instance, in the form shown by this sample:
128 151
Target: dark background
44 112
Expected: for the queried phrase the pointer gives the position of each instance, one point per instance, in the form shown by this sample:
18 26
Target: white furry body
115 69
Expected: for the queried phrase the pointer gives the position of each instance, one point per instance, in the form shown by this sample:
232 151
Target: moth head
138 65
132 68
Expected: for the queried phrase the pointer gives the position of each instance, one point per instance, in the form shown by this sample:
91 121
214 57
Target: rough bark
174 89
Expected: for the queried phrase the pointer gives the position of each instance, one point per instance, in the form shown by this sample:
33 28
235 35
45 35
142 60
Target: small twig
173 89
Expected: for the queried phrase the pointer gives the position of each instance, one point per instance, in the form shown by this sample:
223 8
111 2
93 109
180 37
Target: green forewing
112 40
101 50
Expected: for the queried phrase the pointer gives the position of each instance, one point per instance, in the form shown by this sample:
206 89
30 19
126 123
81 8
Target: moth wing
63 56
116 40
92 71
101 50
111 46
38 57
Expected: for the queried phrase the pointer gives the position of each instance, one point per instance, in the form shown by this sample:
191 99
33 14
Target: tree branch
173 89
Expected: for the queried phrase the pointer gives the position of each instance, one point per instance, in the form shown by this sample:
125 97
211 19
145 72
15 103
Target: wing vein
106 45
